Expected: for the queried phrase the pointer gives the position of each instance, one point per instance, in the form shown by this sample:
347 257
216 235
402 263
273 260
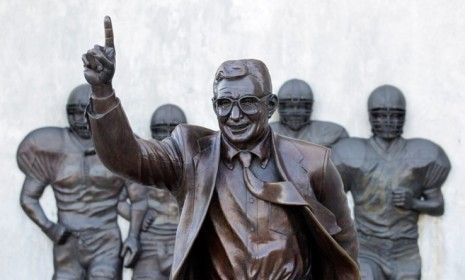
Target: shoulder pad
37 153
425 152
44 139
328 125
350 151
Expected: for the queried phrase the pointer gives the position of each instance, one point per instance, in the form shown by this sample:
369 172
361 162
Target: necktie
283 192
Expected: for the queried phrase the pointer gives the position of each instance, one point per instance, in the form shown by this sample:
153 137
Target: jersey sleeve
348 155
37 156
340 162
437 170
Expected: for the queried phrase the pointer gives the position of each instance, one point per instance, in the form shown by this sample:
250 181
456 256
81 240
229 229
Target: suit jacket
187 164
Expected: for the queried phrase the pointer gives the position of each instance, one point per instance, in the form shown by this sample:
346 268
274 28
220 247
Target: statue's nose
235 113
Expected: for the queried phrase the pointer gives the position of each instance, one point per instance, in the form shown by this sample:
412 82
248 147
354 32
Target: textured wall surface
168 51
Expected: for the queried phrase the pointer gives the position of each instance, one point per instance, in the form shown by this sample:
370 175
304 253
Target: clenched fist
403 198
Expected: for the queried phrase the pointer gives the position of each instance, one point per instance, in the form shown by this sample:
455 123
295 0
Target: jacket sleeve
147 162
333 197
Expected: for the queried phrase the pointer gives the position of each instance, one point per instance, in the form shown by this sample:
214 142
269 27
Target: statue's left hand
130 251
403 198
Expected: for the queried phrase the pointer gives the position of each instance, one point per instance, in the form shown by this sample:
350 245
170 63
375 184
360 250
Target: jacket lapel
321 220
289 161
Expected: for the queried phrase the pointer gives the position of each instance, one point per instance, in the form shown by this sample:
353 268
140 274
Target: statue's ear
272 104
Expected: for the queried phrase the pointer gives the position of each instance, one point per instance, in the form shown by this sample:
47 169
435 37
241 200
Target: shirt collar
261 151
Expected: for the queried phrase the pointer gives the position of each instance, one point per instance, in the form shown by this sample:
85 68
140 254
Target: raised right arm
147 162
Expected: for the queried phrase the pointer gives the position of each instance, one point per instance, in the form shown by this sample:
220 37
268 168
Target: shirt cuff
102 105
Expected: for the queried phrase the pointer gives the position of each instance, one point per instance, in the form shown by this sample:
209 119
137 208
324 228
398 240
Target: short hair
237 69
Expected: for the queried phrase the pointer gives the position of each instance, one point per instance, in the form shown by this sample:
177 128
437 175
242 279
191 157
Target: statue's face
387 123
243 110
77 120
295 113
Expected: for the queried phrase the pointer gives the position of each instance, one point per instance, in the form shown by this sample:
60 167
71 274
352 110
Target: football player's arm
137 194
31 192
131 246
431 200
124 208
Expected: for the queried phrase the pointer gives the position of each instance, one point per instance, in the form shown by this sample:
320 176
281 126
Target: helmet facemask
387 123
164 121
295 113
386 108
295 99
76 111
162 130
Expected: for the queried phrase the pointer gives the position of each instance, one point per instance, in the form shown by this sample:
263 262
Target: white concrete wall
168 51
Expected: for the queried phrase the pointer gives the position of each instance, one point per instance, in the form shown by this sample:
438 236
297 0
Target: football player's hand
402 198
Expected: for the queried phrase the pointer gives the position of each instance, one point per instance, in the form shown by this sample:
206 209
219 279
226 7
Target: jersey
86 192
371 174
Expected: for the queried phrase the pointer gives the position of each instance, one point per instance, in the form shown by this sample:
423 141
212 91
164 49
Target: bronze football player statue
161 221
392 180
87 240
295 108
255 205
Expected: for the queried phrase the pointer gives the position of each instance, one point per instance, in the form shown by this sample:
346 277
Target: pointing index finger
108 32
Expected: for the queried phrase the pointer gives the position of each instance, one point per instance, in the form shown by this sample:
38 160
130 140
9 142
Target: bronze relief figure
392 180
255 205
87 240
295 108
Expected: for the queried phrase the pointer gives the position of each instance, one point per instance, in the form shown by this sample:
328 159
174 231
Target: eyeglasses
248 104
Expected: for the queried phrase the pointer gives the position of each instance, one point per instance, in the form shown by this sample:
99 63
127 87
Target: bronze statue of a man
255 205
392 181
295 108
161 221
87 240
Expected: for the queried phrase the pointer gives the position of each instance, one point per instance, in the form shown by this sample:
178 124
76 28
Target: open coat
187 164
